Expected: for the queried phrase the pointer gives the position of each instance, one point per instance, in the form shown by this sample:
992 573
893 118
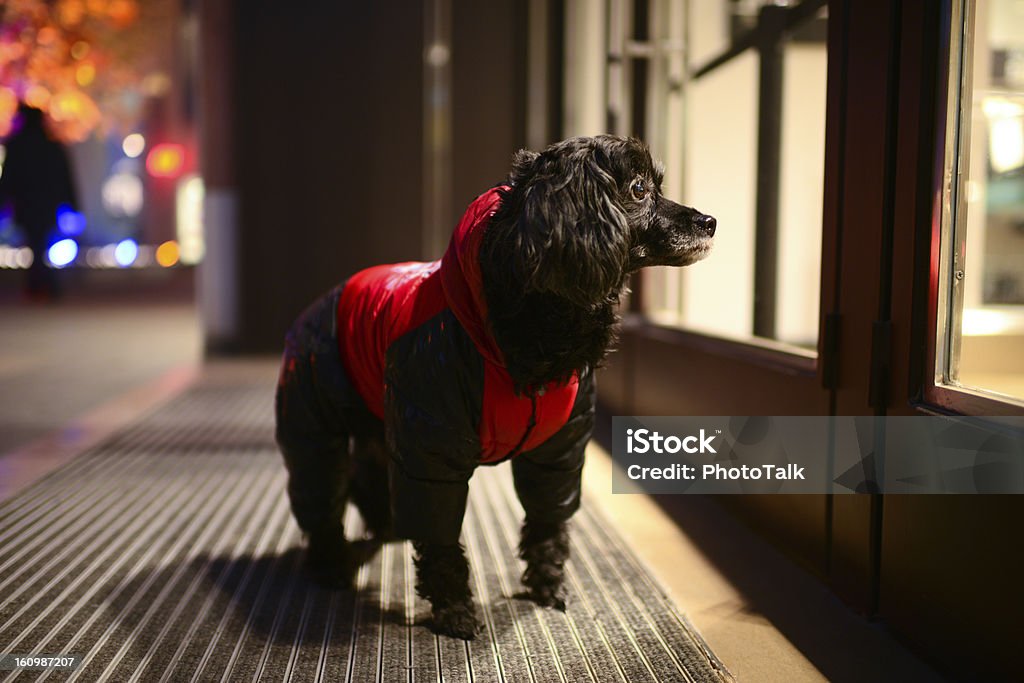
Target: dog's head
589 212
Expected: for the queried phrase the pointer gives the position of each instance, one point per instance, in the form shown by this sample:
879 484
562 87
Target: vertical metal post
538 68
771 25
617 111
217 285
437 126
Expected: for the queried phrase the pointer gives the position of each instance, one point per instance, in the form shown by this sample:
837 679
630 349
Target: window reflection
986 347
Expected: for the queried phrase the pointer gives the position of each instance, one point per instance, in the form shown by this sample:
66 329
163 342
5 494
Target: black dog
402 380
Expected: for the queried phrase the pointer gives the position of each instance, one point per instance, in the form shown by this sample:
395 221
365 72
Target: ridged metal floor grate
168 554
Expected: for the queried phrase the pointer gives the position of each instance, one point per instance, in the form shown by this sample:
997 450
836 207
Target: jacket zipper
529 428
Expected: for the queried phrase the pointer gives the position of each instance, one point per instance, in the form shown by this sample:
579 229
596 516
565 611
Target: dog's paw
457 621
332 561
545 596
363 550
330 572
548 598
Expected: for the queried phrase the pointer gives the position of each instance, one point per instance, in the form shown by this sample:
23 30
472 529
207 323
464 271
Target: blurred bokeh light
167 254
74 60
63 252
126 252
166 160
133 145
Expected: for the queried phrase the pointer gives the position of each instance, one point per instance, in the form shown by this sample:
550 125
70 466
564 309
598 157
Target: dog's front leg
547 482
429 512
434 449
442 577
545 547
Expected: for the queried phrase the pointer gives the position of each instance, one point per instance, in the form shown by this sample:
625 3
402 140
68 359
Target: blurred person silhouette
36 181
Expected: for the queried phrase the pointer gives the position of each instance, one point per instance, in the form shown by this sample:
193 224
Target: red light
166 160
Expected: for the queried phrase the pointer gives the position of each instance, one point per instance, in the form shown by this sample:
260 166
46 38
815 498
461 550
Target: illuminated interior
988 353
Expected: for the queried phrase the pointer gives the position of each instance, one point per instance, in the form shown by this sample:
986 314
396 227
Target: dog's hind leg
319 468
318 483
369 487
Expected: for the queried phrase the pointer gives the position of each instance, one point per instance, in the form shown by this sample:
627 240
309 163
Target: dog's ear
572 232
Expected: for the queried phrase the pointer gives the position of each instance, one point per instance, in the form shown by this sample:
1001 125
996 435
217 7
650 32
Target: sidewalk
72 372
58 362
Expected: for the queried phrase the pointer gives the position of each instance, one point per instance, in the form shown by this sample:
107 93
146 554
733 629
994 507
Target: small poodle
401 381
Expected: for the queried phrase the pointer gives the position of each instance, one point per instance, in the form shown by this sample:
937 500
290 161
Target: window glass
725 295
801 193
721 179
983 246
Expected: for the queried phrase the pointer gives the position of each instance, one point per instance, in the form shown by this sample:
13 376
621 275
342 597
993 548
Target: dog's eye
639 189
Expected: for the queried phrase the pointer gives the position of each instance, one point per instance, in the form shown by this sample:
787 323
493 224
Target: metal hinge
881 344
830 351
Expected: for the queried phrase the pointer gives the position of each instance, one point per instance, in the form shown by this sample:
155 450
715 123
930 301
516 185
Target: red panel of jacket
382 303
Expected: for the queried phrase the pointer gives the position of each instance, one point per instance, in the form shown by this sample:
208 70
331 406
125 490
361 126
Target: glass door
979 342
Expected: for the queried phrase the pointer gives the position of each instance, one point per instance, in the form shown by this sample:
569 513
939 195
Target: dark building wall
329 131
488 91
328 126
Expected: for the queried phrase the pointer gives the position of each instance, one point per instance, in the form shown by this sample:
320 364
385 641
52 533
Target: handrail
760 34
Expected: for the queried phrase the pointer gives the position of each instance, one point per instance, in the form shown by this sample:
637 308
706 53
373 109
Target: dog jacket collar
460 275
383 304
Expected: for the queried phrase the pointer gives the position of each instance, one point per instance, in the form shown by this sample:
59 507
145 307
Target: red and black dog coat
406 350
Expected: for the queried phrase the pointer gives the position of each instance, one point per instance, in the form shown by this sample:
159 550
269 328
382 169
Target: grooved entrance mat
168 554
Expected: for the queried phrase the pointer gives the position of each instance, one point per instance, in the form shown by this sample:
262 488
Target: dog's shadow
270 596
275 590
288 589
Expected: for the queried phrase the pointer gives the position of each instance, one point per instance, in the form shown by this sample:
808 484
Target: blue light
126 252
63 252
69 221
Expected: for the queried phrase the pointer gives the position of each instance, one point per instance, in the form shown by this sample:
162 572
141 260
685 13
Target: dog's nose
707 224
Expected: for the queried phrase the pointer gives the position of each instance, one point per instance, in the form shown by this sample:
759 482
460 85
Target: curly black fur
442 577
545 547
578 219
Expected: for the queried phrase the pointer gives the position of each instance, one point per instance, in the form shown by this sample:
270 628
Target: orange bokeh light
37 96
166 160
167 254
8 108
47 35
74 114
85 74
123 13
